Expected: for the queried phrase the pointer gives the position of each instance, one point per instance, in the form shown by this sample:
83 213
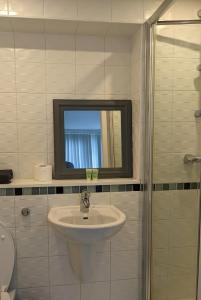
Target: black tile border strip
51 190
179 186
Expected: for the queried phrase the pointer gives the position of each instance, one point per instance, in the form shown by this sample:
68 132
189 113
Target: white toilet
7 261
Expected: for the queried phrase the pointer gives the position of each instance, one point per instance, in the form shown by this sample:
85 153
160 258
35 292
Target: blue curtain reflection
83 148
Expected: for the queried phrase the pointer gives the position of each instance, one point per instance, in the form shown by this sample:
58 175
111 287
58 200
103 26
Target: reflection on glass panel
176 206
92 139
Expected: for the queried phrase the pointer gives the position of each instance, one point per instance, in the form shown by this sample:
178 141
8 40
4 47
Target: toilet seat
7 259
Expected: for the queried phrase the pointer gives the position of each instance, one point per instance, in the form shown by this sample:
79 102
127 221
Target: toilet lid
7 257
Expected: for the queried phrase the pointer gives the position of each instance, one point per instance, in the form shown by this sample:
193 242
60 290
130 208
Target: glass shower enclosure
173 157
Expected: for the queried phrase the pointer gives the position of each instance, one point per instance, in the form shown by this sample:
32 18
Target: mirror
92 139
92 134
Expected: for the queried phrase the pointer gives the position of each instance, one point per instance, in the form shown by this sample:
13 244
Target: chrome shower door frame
148 142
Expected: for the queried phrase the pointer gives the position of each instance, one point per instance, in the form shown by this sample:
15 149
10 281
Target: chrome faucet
84 202
189 158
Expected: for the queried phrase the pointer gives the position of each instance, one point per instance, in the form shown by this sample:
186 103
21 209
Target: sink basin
102 222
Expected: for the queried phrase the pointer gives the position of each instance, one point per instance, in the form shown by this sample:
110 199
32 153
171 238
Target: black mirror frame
125 106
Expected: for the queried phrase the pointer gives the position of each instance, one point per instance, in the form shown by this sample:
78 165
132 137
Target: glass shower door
176 185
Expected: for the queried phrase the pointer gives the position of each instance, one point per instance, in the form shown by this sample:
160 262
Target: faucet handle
85 199
85 194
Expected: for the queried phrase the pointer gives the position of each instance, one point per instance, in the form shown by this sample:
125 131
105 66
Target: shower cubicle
173 151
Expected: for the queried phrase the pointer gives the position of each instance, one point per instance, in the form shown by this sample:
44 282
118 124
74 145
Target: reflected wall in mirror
92 139
92 134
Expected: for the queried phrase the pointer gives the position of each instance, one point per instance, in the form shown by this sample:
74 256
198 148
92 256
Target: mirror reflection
92 139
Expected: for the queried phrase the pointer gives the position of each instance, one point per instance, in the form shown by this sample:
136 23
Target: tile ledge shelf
21 183
44 25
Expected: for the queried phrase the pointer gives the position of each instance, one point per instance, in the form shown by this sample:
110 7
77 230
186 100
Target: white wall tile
63 200
165 41
57 242
50 137
7 212
31 107
185 103
60 48
9 161
30 46
186 135
32 137
184 258
164 74
30 77
183 233
7 107
126 289
129 202
61 9
189 10
32 241
117 51
60 292
100 198
27 161
60 78
38 210
89 50
127 11
184 204
61 272
163 141
161 204
89 79
117 80
159 286
186 74
3 7
41 293
98 291
129 238
163 108
26 8
8 141
182 286
32 272
45 68
94 10
187 41
100 268
170 167
126 264
6 46
160 240
49 103
160 262
7 77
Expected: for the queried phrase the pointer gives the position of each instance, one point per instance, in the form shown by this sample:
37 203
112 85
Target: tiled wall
150 6
175 206
43 269
35 68
90 10
175 230
182 10
177 97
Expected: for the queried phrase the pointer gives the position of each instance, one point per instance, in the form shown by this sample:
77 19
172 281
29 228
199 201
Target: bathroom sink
100 223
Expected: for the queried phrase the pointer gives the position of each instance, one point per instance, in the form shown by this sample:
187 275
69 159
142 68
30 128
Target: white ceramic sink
102 222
